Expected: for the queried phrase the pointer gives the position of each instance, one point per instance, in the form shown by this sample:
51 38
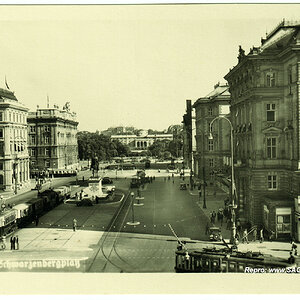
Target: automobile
106 180
108 189
215 234
84 202
183 186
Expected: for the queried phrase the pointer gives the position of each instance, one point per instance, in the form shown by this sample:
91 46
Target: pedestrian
164 178
81 194
228 224
172 175
169 177
36 220
245 236
271 236
83 179
207 229
237 236
214 215
211 217
221 217
294 247
17 242
200 194
74 224
254 234
11 243
261 235
291 259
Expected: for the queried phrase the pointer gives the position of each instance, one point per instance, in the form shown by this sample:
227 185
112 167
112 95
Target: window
47 139
272 182
283 223
211 162
210 111
1 166
47 128
47 152
32 129
271 147
270 79
33 152
32 139
210 145
1 133
271 112
1 116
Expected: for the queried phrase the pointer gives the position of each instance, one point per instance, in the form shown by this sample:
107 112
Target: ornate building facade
140 143
14 158
265 108
212 155
52 138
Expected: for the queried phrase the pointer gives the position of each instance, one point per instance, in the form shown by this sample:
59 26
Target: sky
127 65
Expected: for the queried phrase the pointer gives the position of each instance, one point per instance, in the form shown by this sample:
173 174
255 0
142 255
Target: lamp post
233 205
133 222
139 197
203 170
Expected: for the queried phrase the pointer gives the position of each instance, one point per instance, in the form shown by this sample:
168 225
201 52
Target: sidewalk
214 200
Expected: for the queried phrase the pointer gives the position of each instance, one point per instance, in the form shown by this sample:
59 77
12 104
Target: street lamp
139 197
233 205
203 170
133 222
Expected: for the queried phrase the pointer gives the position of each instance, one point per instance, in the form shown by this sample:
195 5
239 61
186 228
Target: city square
136 143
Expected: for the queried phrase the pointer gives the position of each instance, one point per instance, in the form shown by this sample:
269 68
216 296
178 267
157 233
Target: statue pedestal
95 187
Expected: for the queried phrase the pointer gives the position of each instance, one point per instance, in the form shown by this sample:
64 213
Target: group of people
169 178
14 242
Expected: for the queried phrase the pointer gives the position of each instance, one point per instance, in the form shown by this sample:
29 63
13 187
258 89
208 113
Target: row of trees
166 149
95 144
92 144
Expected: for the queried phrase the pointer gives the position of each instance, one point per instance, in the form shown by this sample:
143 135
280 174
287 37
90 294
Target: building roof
220 92
284 34
6 94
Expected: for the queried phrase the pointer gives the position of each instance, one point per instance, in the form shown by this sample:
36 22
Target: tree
94 144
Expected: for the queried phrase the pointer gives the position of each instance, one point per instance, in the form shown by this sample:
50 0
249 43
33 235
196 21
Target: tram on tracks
20 215
212 260
230 260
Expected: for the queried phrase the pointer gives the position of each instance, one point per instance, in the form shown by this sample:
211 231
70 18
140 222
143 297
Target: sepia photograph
154 145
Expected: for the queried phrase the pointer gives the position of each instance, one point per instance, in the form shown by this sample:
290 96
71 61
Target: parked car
106 180
84 202
108 189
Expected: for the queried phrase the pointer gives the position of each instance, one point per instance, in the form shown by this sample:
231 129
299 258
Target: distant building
52 141
212 155
140 143
264 88
14 158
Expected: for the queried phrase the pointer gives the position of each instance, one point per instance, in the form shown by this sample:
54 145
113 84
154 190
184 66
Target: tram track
107 247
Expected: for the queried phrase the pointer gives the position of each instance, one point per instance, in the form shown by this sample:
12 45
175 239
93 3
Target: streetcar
224 260
229 260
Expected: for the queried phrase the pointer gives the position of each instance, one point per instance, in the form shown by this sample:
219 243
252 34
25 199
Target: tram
224 260
229 260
